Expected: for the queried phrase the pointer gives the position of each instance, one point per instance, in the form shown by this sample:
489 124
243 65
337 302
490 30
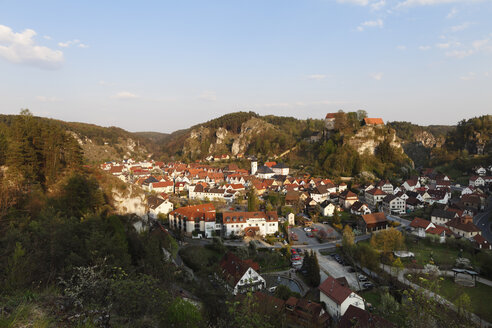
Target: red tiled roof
419 223
374 218
331 115
373 121
334 290
234 268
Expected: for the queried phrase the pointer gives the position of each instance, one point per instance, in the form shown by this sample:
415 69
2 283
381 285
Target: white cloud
208 96
477 46
355 2
374 23
377 76
461 27
48 99
316 77
20 48
424 48
68 43
401 47
47 37
460 54
469 76
413 3
124 95
443 45
83 45
378 5
452 13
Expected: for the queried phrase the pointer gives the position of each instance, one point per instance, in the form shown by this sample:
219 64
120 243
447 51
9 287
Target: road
482 221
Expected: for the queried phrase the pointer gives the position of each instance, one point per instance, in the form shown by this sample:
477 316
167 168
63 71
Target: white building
393 204
249 223
338 298
195 219
240 276
159 206
280 169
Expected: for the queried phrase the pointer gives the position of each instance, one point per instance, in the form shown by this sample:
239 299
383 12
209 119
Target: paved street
482 221
329 266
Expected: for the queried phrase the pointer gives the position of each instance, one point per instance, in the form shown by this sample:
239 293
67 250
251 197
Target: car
293 251
272 289
310 234
295 258
362 277
350 269
368 285
299 251
315 229
307 229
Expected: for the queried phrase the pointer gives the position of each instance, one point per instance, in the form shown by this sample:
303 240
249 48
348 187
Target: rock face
368 138
98 152
428 140
205 141
131 201
249 129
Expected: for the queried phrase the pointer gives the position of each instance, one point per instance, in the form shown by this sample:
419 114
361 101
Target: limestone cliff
368 138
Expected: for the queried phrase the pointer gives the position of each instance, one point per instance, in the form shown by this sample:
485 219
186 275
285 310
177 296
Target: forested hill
98 143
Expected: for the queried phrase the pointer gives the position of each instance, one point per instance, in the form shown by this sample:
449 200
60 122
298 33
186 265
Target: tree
336 217
388 240
348 237
181 313
253 201
463 303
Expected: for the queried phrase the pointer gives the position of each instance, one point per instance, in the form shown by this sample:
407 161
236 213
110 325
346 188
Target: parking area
330 266
307 236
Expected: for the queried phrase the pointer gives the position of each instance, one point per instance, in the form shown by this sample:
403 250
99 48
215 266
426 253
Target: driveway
328 266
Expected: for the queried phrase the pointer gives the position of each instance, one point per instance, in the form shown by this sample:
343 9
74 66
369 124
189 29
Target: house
330 119
373 222
116 170
464 227
291 219
327 208
305 313
357 317
195 219
440 217
393 204
280 169
320 193
374 197
264 172
476 181
249 223
385 186
164 186
240 276
481 242
481 170
347 199
419 226
472 200
337 298
359 208
411 184
413 204
372 121
292 198
158 206
438 196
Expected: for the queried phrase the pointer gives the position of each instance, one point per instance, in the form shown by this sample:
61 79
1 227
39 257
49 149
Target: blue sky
166 65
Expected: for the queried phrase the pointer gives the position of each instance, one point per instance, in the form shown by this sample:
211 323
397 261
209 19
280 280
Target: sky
167 65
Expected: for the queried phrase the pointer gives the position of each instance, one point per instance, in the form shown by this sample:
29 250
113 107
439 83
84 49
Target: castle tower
254 165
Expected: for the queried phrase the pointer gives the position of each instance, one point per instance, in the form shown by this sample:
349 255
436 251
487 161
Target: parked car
362 277
315 229
299 251
368 285
309 234
295 258
307 229
293 251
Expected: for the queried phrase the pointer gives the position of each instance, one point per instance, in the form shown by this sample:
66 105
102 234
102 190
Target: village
269 207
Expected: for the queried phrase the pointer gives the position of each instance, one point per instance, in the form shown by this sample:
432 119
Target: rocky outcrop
428 140
249 129
368 138
131 201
